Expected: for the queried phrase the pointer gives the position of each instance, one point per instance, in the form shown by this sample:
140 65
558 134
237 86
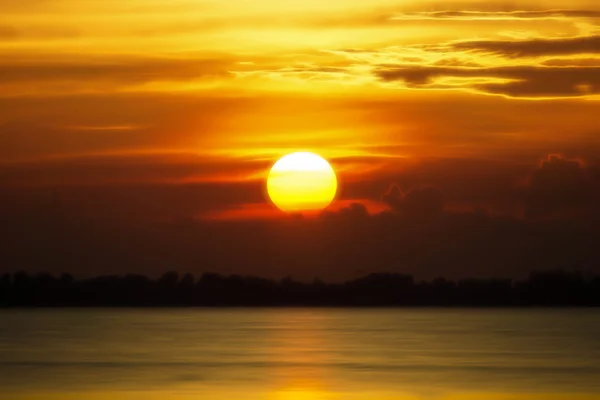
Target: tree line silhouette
540 288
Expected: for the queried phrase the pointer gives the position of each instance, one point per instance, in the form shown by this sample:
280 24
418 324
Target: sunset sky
136 136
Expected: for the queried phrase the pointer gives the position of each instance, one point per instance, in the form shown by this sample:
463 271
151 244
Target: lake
300 354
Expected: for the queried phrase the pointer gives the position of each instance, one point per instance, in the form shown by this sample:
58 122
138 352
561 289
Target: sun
301 181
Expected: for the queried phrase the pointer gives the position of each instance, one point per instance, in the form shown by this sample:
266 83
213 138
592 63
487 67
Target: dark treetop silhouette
545 288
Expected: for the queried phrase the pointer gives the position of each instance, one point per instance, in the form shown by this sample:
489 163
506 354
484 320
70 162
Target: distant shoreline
556 288
290 306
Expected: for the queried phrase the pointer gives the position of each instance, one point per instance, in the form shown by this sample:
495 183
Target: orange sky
159 109
246 80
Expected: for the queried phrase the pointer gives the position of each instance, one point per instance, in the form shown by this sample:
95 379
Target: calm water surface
299 354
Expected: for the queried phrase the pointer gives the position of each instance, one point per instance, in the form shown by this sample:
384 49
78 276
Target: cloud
103 127
518 81
351 211
572 62
560 185
118 70
140 202
497 15
420 202
143 227
156 167
510 68
557 187
533 47
332 246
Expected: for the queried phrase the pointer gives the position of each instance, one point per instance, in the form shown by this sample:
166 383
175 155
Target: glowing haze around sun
301 181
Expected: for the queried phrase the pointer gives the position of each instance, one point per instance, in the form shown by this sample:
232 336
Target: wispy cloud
522 81
535 47
496 15
114 69
135 168
102 127
523 68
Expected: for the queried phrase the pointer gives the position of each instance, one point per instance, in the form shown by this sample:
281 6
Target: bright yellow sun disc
301 181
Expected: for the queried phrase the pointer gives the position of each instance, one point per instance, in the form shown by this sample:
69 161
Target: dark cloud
394 197
152 227
351 212
562 186
572 62
423 201
216 183
466 182
534 47
419 202
131 70
132 186
135 201
522 81
334 246
128 168
492 15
